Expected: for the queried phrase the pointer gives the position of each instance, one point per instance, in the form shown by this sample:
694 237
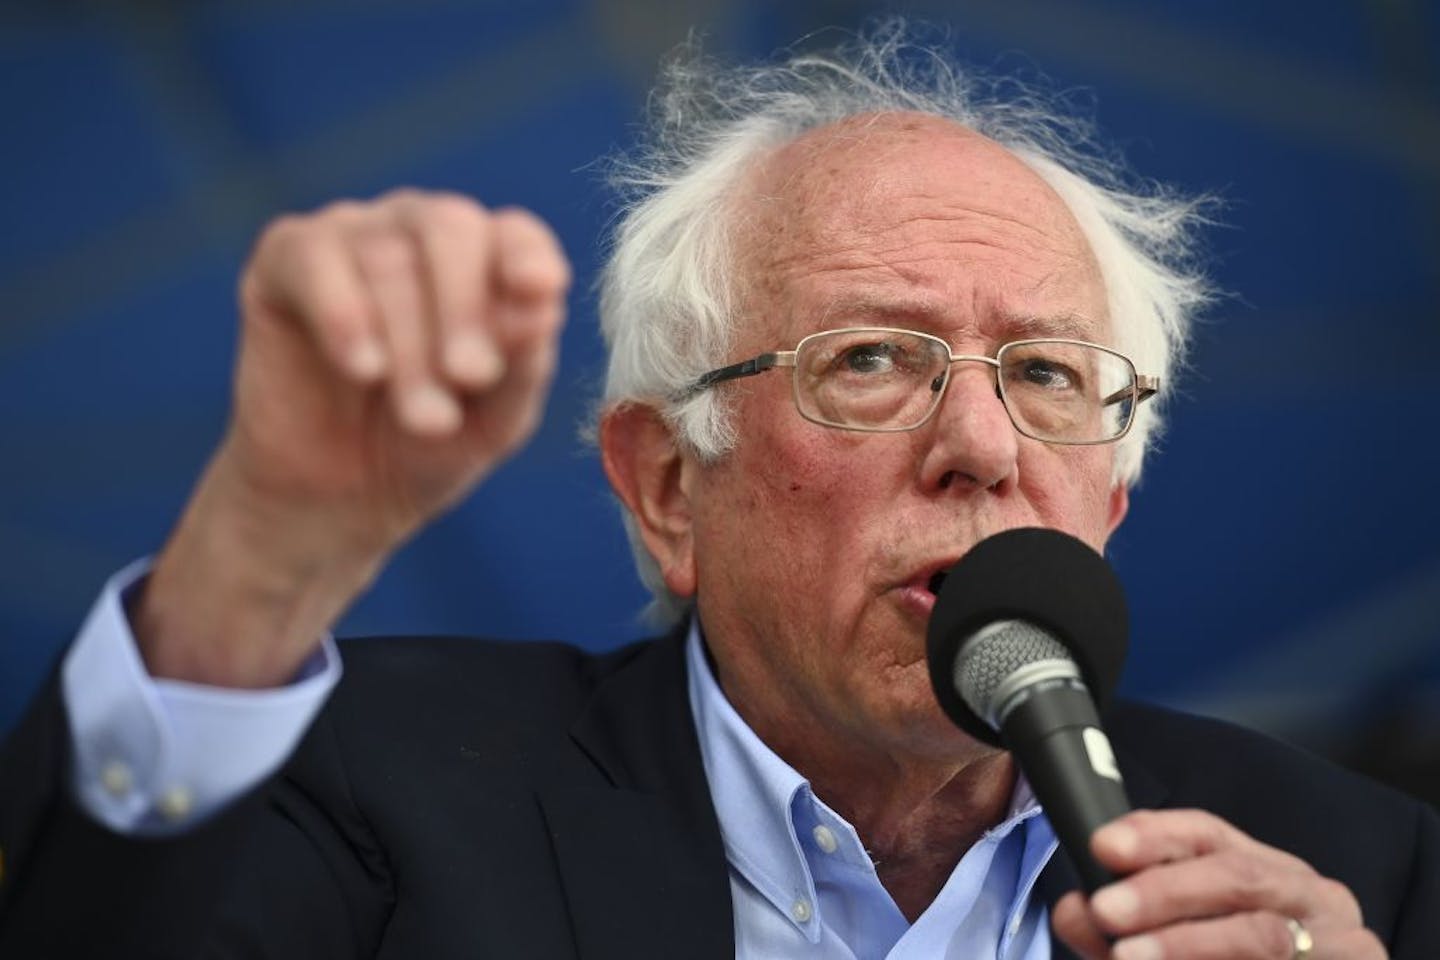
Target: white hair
667 293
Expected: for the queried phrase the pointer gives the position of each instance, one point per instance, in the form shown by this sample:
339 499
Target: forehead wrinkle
832 210
832 251
982 228
929 207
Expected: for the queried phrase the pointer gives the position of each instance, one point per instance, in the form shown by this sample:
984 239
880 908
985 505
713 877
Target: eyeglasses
882 380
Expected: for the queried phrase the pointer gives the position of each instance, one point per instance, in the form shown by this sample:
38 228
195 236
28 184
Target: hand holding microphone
1028 635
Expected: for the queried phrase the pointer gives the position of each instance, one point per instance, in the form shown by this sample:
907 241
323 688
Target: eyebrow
929 315
1070 326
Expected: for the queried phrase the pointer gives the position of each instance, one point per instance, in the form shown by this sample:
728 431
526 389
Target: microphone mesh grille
995 653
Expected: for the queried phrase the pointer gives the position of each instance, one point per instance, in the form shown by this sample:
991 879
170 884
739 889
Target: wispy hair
668 293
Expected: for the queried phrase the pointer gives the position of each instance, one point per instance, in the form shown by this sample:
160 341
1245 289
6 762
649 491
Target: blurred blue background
1283 552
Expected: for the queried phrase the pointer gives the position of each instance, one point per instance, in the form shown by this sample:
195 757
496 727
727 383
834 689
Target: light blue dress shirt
157 756
802 884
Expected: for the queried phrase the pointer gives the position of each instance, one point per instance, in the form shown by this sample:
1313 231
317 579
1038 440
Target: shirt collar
763 805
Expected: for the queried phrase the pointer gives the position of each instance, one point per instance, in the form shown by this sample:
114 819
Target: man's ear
655 480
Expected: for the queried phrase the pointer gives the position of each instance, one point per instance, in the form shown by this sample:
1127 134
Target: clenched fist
392 353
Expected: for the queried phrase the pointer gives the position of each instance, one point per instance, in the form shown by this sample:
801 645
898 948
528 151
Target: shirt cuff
157 756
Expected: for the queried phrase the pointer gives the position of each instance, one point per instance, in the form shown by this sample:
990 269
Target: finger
454 234
1218 884
500 419
302 270
1144 838
390 263
1246 936
532 275
1077 929
1232 881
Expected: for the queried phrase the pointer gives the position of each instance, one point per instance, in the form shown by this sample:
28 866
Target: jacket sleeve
285 871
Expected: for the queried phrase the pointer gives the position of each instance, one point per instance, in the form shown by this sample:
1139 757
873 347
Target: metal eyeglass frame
1142 388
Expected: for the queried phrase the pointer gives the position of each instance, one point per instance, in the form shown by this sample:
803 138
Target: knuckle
534 269
454 211
1271 935
385 253
1210 832
282 232
520 218
341 210
1249 882
1334 891
527 229
402 197
284 253
1204 820
1339 898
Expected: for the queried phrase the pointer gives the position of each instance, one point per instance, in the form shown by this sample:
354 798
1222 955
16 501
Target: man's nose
972 440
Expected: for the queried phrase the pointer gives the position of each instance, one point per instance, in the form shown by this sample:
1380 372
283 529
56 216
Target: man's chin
922 728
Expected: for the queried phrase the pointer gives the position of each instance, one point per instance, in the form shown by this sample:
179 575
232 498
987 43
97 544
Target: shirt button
825 839
175 804
800 910
116 778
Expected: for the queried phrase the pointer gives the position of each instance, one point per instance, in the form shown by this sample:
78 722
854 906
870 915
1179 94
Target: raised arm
392 353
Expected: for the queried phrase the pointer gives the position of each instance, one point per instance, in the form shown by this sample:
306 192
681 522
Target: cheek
821 485
789 503
1069 488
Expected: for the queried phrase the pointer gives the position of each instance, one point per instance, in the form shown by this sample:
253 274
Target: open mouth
936 581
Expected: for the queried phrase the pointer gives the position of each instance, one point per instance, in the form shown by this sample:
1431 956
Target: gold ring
1304 943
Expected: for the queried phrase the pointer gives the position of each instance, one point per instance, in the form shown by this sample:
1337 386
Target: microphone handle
1055 734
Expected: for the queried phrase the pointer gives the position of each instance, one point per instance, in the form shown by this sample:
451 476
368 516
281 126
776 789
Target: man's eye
868 358
1048 374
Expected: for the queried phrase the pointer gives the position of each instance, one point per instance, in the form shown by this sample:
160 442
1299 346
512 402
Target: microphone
1027 636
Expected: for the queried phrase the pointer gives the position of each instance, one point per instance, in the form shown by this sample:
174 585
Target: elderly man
859 319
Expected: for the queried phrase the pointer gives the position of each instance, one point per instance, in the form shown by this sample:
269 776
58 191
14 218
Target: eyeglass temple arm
1145 388
745 368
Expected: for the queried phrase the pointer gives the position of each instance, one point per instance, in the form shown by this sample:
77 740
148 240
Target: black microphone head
1037 576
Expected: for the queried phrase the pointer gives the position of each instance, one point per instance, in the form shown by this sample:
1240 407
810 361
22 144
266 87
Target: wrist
247 585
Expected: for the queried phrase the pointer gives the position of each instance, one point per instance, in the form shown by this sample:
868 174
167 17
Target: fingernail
1116 904
367 360
1139 948
1120 838
473 359
428 409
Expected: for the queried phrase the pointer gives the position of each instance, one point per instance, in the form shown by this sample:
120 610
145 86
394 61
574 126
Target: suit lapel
641 859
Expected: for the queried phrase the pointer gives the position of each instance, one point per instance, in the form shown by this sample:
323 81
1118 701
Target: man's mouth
936 580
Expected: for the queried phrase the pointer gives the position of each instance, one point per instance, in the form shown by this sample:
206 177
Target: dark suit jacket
469 799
